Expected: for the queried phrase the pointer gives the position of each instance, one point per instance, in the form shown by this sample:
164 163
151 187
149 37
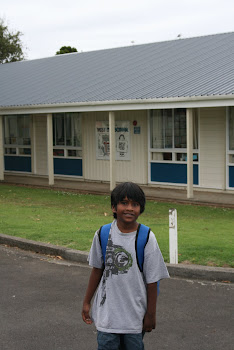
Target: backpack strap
103 238
142 238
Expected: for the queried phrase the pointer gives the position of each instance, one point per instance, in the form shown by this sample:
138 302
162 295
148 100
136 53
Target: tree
66 49
10 45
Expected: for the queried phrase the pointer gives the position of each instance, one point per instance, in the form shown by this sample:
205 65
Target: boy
124 307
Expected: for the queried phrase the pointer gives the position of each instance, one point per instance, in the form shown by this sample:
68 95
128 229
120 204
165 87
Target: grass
205 234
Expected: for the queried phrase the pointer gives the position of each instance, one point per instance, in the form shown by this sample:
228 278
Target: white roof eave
119 105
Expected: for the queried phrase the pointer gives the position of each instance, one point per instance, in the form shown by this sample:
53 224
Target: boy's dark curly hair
130 190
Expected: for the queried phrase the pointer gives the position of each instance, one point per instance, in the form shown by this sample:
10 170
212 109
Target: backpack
142 238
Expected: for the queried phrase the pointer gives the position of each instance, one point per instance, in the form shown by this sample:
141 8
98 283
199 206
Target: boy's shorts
114 341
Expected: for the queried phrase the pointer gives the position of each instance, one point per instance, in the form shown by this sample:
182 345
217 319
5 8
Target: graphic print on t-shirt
118 261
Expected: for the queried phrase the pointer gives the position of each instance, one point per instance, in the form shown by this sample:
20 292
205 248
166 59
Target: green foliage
66 49
10 45
205 234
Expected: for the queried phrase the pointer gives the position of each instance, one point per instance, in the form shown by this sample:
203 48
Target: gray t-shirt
120 302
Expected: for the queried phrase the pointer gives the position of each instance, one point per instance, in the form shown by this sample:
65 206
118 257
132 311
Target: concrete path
41 300
176 194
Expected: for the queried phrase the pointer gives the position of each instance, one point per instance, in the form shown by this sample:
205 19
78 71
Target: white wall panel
40 145
134 170
212 147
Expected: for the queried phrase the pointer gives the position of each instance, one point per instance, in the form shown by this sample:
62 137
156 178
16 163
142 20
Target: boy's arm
94 280
149 322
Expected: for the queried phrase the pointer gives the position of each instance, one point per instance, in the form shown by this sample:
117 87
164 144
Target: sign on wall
122 140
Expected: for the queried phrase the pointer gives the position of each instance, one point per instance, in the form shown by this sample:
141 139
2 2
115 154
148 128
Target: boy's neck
126 228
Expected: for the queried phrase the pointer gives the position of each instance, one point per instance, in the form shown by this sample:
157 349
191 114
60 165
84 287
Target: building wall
213 148
40 145
212 167
133 170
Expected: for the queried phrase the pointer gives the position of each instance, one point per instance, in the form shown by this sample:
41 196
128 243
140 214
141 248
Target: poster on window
122 140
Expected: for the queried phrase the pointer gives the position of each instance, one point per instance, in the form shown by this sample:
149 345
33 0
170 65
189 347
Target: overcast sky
100 24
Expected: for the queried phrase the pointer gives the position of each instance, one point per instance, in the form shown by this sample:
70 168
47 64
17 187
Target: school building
159 114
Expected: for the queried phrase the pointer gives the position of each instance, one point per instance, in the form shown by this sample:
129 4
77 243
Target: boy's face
127 211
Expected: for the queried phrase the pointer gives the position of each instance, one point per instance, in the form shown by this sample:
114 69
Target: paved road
41 300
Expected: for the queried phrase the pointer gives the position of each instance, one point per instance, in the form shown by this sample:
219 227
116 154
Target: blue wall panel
231 176
172 173
16 163
65 166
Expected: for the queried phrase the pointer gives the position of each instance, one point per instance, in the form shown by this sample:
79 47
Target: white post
173 236
50 149
32 133
112 149
1 149
189 122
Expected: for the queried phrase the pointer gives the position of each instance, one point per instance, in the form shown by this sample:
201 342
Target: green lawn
205 234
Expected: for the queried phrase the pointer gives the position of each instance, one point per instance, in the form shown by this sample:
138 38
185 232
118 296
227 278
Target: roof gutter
118 105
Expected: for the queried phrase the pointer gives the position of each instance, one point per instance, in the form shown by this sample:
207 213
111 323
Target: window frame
174 151
17 146
228 151
63 147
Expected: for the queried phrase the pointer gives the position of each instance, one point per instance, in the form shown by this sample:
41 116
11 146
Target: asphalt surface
41 300
207 273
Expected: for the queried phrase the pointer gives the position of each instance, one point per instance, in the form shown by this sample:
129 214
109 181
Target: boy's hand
85 313
149 322
94 280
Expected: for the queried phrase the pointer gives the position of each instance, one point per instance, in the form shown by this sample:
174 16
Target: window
67 135
161 125
17 138
180 128
168 140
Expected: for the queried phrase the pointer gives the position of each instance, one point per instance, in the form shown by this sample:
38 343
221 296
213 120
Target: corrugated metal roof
201 66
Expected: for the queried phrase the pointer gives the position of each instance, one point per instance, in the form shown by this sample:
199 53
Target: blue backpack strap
142 238
103 238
